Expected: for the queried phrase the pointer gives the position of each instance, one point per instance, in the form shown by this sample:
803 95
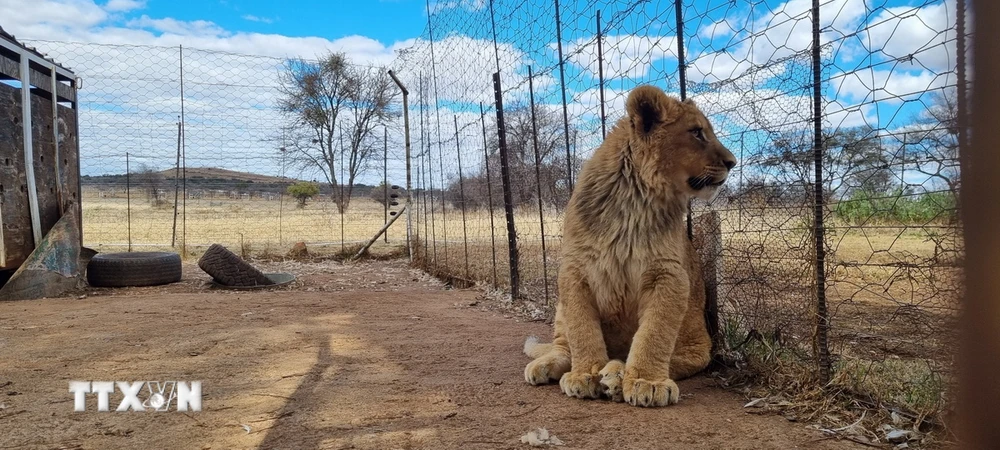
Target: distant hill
214 173
207 178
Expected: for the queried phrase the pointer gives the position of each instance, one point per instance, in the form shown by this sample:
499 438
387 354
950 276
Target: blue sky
869 80
384 20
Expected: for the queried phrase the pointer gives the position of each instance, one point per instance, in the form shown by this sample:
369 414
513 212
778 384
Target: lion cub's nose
730 163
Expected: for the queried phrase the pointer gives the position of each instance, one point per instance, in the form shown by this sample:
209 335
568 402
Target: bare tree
368 103
931 143
330 100
315 94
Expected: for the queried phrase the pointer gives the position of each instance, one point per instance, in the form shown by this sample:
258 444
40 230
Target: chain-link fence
840 246
184 148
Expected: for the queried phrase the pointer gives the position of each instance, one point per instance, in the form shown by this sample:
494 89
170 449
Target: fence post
385 180
183 158
341 206
489 193
508 202
682 79
822 319
538 182
423 156
600 74
177 186
565 107
128 200
461 193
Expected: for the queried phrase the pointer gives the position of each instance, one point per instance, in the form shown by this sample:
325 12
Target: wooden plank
43 82
9 69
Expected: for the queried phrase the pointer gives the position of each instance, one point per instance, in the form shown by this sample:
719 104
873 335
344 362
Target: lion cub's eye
698 133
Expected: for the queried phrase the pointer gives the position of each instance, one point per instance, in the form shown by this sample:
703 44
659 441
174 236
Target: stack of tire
158 268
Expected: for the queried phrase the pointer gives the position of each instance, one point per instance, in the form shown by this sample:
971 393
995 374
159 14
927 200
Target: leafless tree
329 100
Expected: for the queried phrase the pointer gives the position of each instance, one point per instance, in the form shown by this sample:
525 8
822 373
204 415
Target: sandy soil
372 355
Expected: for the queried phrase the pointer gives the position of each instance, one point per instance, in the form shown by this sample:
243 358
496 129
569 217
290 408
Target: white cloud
780 32
470 5
464 67
887 85
253 18
178 27
917 37
21 19
124 5
625 56
718 29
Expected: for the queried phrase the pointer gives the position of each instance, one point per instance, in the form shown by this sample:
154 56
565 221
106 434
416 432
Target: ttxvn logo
157 395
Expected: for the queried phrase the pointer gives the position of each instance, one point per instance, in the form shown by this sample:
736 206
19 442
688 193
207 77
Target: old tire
133 269
229 269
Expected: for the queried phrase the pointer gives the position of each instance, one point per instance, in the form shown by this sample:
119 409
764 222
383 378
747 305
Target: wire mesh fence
839 240
840 245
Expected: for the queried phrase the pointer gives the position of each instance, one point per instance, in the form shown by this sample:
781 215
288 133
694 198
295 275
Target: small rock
540 437
82 297
900 436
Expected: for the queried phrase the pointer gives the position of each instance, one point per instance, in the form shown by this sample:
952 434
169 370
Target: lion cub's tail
534 349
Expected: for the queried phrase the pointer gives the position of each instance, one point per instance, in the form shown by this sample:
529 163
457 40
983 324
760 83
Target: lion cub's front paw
541 370
611 380
640 392
580 385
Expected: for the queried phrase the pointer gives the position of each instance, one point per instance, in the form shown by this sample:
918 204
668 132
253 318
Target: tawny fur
630 316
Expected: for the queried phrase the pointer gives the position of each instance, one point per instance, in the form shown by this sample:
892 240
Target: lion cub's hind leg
550 363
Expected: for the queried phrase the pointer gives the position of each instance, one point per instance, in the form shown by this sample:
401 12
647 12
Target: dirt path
369 356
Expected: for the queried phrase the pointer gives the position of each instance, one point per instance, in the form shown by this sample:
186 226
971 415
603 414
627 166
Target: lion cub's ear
648 106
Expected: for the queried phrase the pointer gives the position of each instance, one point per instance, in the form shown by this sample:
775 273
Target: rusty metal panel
44 153
16 240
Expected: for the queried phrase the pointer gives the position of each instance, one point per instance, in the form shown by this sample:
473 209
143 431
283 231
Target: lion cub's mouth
702 182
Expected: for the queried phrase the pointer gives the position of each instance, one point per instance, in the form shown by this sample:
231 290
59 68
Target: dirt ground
370 355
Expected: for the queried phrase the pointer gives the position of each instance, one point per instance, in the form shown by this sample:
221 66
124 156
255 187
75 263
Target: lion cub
630 318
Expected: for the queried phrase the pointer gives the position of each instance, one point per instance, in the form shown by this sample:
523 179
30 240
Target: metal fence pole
565 107
385 180
822 319
183 158
461 193
682 79
600 74
128 200
437 114
508 202
177 187
538 182
341 206
489 193
406 136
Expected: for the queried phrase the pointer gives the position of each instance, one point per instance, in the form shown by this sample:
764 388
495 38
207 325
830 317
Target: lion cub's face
675 145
